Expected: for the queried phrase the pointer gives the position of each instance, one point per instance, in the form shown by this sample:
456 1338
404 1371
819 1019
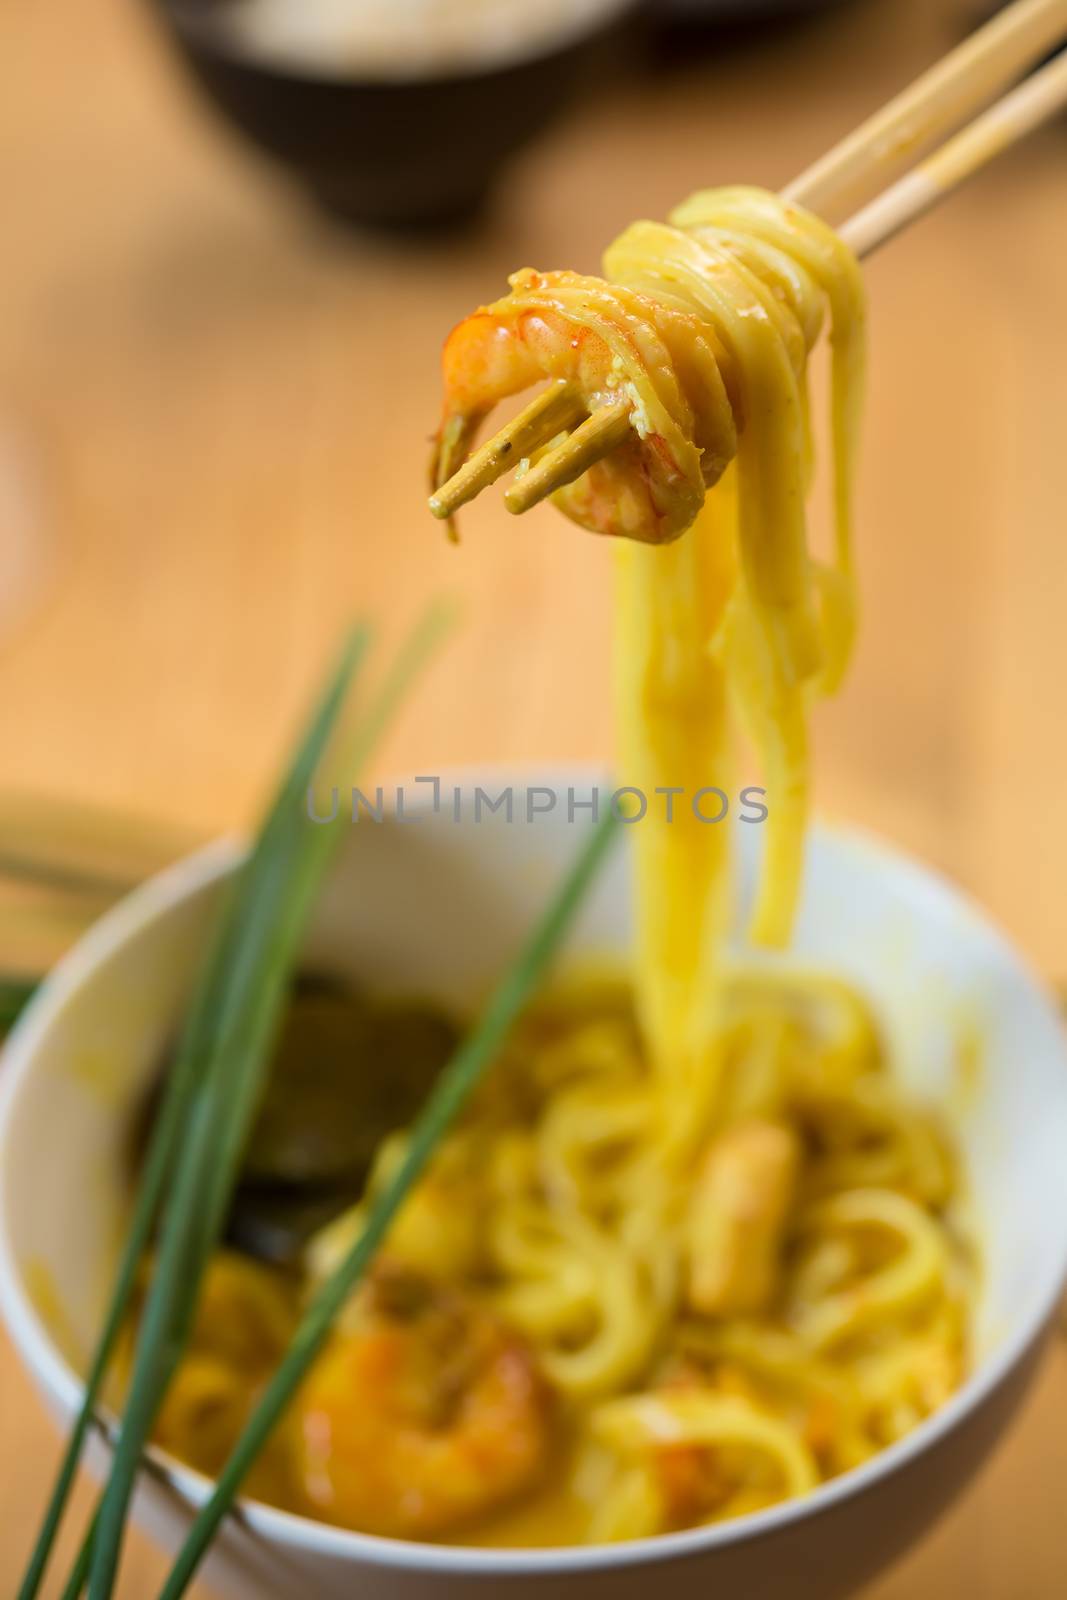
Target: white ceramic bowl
439 907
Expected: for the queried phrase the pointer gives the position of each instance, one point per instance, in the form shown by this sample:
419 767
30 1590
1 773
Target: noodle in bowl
437 908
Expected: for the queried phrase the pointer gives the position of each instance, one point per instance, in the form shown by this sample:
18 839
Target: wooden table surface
212 420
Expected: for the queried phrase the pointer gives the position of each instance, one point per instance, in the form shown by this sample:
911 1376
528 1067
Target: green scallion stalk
223 1052
181 1088
269 912
225 1024
15 993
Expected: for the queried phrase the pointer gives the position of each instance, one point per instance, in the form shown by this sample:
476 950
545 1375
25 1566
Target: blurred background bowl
742 11
404 141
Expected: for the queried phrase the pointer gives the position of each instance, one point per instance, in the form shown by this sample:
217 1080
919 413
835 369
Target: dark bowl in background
411 153
741 11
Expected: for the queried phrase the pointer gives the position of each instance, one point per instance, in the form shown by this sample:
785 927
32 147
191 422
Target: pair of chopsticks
862 171
935 105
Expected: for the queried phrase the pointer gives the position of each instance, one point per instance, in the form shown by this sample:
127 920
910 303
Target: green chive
15 994
447 1099
181 1087
211 1097
80 1571
269 913
243 996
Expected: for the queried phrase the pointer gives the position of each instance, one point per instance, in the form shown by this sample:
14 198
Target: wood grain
212 419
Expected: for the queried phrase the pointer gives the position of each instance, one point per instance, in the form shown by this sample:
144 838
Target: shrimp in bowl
425 1412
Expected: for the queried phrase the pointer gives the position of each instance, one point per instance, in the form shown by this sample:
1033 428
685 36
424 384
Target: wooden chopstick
959 85
597 436
555 410
1033 102
854 172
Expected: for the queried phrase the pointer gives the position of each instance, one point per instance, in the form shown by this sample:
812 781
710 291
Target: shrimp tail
451 446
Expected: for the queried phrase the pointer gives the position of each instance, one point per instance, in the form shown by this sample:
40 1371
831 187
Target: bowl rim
212 41
207 867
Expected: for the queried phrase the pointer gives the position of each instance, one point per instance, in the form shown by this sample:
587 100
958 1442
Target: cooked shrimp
737 1216
604 345
425 1412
